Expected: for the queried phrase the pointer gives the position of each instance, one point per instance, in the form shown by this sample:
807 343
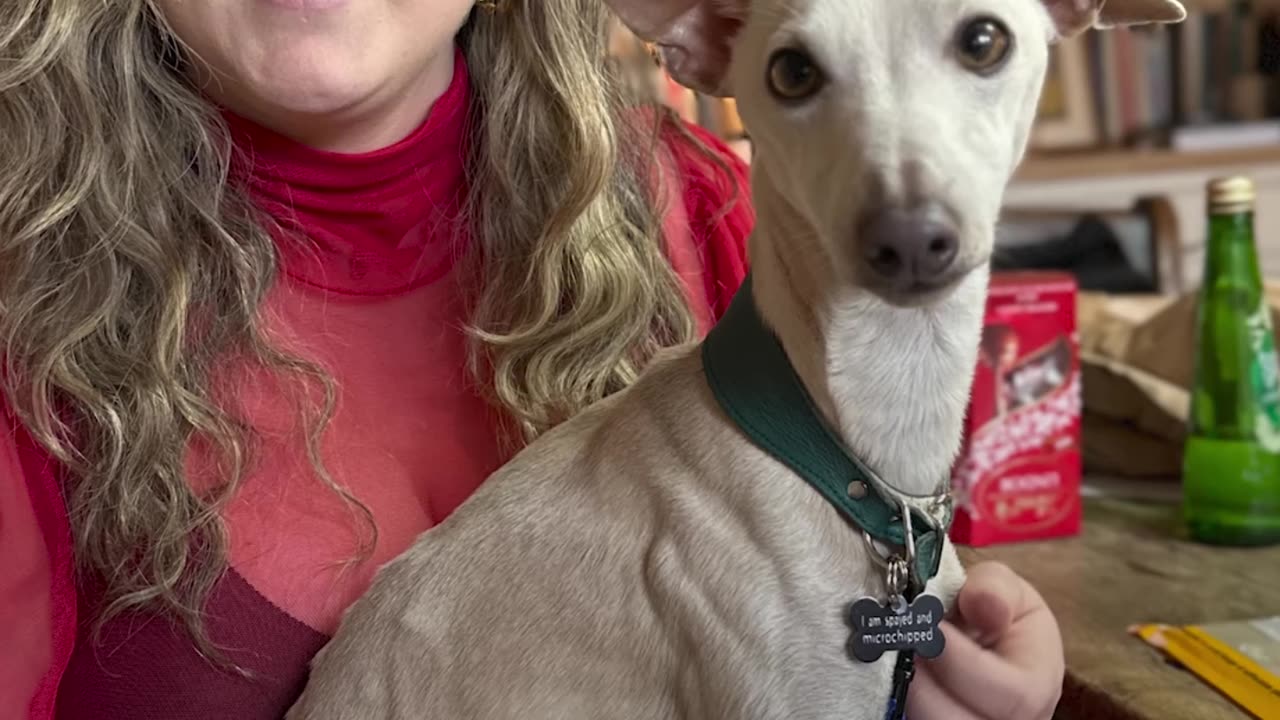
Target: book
1209 82
1225 135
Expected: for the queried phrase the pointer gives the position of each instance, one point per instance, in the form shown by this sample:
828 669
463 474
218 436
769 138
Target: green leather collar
755 384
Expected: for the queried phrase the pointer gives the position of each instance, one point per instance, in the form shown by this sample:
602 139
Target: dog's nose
909 248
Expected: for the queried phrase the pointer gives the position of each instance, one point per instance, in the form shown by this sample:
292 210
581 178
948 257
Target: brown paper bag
1138 356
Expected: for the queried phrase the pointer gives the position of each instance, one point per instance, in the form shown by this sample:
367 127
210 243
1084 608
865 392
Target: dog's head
890 127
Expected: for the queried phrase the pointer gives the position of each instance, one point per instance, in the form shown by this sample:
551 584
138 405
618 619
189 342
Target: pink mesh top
374 294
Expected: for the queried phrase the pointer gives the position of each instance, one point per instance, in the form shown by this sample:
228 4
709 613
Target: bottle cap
1230 195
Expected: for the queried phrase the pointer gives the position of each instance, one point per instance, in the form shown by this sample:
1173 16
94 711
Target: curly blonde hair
131 270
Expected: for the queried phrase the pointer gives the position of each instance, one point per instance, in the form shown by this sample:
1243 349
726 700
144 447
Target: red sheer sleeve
711 216
716 195
37 592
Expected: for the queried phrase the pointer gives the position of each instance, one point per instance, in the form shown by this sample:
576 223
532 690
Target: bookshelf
1121 161
1152 111
1116 180
1211 83
1208 83
1173 106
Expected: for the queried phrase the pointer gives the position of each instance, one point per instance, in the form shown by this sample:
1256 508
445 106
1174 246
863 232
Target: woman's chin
318 97
311 6
339 112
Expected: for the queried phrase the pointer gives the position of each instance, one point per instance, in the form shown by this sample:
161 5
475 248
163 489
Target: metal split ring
896 579
898 576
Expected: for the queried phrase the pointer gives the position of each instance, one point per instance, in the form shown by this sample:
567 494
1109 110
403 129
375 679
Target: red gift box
1018 473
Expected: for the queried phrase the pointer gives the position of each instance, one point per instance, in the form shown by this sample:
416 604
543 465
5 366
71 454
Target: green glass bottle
1231 464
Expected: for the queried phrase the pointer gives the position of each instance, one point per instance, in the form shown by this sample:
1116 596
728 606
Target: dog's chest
899 383
761 571
802 666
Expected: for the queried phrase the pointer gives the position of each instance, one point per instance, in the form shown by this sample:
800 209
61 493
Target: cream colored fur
644 560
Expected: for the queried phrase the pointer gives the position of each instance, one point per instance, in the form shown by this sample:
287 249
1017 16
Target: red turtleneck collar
376 223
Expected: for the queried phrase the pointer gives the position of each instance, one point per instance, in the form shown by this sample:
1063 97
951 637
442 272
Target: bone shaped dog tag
879 628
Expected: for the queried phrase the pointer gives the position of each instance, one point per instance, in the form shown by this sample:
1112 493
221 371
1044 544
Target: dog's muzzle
910 252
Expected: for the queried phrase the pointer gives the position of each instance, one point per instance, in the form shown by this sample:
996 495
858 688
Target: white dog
648 559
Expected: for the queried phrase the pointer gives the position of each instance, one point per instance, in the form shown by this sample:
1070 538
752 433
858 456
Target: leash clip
899 567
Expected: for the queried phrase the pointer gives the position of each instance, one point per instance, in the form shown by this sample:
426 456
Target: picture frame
1065 116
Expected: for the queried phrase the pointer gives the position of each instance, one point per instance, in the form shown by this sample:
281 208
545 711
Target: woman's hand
1003 659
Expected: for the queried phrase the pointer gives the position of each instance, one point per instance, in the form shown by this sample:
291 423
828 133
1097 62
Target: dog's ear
694 36
1074 16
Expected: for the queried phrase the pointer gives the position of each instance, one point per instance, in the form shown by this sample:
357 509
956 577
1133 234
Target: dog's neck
892 382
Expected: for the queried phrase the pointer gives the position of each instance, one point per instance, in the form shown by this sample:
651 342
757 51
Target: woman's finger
928 700
1006 614
978 678
1019 673
1003 657
991 598
1033 642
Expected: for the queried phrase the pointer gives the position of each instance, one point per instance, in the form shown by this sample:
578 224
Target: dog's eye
793 76
983 44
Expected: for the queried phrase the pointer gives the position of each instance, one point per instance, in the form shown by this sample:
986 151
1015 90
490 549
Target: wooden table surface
1133 564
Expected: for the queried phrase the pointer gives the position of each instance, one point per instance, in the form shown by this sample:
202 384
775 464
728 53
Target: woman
281 281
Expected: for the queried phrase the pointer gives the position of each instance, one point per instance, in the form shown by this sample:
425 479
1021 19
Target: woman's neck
372 223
